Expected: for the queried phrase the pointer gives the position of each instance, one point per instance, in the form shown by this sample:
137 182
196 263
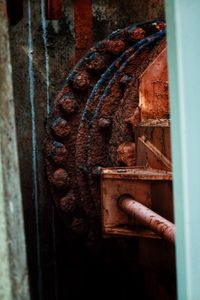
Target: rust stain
54 9
83 26
3 9
154 98
126 154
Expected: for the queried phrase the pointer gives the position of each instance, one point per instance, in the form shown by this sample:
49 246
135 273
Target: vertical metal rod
13 266
183 27
148 218
35 194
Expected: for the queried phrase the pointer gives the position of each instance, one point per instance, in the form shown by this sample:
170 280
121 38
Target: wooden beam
147 153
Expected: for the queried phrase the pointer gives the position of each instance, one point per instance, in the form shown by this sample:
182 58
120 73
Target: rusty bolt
78 226
115 46
104 123
96 171
125 79
60 127
160 26
135 119
69 105
58 152
126 154
138 34
68 203
60 179
81 81
97 62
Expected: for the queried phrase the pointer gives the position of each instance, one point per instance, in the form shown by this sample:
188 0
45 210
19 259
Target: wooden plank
135 173
149 155
13 268
158 133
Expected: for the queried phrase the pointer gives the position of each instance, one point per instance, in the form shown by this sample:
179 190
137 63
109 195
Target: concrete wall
42 53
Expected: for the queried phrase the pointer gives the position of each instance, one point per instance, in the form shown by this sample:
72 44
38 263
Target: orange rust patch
83 26
54 9
154 97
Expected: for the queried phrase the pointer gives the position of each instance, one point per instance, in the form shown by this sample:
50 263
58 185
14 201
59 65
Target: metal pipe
148 218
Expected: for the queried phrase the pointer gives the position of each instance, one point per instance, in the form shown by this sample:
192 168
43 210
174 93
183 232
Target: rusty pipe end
122 198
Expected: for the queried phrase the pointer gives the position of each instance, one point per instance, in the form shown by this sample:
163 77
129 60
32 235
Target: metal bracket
140 183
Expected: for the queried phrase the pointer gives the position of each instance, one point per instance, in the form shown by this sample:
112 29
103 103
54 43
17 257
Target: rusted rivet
96 171
69 105
60 179
138 34
126 154
135 119
115 46
104 123
60 127
68 203
160 26
58 152
78 226
125 79
81 81
97 62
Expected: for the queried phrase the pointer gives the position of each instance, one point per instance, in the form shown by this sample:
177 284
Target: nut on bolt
115 46
135 119
79 226
60 179
60 127
104 123
69 105
161 26
138 34
96 171
126 154
81 81
97 62
68 203
58 152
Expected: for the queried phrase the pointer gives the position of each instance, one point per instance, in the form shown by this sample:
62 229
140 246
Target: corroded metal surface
83 26
97 122
53 249
154 98
88 120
